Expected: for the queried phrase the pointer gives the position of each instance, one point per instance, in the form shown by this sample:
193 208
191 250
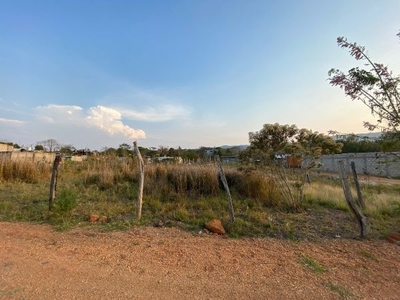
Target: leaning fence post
228 193
357 183
53 182
355 209
141 182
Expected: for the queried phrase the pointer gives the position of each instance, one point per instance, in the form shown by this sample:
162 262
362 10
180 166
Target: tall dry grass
26 171
173 180
188 194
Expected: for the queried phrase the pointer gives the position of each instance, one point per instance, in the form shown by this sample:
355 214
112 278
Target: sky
187 73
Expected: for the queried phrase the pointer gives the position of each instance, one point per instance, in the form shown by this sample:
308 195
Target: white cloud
59 113
106 119
156 114
109 120
11 122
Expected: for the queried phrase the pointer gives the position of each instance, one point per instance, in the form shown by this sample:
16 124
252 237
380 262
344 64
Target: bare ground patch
153 263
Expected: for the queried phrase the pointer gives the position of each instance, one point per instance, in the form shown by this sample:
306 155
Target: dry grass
188 195
25 171
326 194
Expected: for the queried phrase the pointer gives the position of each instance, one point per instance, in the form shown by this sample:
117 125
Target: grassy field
187 196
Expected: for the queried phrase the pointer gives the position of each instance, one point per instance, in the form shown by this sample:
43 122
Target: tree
125 146
163 150
376 87
190 154
353 143
272 137
275 139
124 150
50 144
67 149
39 148
313 144
109 151
272 141
390 141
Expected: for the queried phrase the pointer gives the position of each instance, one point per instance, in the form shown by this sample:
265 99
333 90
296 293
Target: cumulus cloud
109 120
106 119
156 114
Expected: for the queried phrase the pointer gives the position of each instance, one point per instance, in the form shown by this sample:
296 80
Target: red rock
93 218
395 235
394 238
215 226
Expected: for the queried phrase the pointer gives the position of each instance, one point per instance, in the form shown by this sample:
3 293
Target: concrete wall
6 147
29 156
372 163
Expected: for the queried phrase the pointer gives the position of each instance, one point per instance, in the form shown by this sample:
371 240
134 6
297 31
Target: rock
215 226
93 218
103 219
394 238
159 223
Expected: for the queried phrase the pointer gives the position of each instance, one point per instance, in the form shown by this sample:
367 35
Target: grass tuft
343 292
311 263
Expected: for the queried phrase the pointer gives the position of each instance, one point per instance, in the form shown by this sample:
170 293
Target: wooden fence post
355 209
228 193
357 183
139 202
53 182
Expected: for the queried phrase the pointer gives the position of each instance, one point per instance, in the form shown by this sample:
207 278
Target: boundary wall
371 163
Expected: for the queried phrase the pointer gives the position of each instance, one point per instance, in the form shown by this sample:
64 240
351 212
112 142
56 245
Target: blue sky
182 73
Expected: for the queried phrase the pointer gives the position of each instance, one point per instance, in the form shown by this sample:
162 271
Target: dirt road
163 263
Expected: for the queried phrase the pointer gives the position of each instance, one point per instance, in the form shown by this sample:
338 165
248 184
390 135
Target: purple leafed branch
377 87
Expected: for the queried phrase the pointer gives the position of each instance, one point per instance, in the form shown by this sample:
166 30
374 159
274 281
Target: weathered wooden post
141 182
357 183
228 193
53 182
355 209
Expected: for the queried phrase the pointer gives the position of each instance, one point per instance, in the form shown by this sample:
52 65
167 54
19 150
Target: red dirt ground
37 262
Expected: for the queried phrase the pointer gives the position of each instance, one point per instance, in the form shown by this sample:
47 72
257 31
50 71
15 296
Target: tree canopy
373 84
50 145
275 139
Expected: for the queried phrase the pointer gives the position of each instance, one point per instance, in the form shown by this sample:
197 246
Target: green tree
162 150
124 150
353 143
275 139
109 151
390 141
67 149
172 152
272 138
313 145
190 154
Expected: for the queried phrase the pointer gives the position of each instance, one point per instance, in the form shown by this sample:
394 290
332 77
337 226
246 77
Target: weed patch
369 255
312 264
343 292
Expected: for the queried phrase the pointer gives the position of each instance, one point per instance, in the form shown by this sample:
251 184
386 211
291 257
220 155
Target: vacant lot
165 263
